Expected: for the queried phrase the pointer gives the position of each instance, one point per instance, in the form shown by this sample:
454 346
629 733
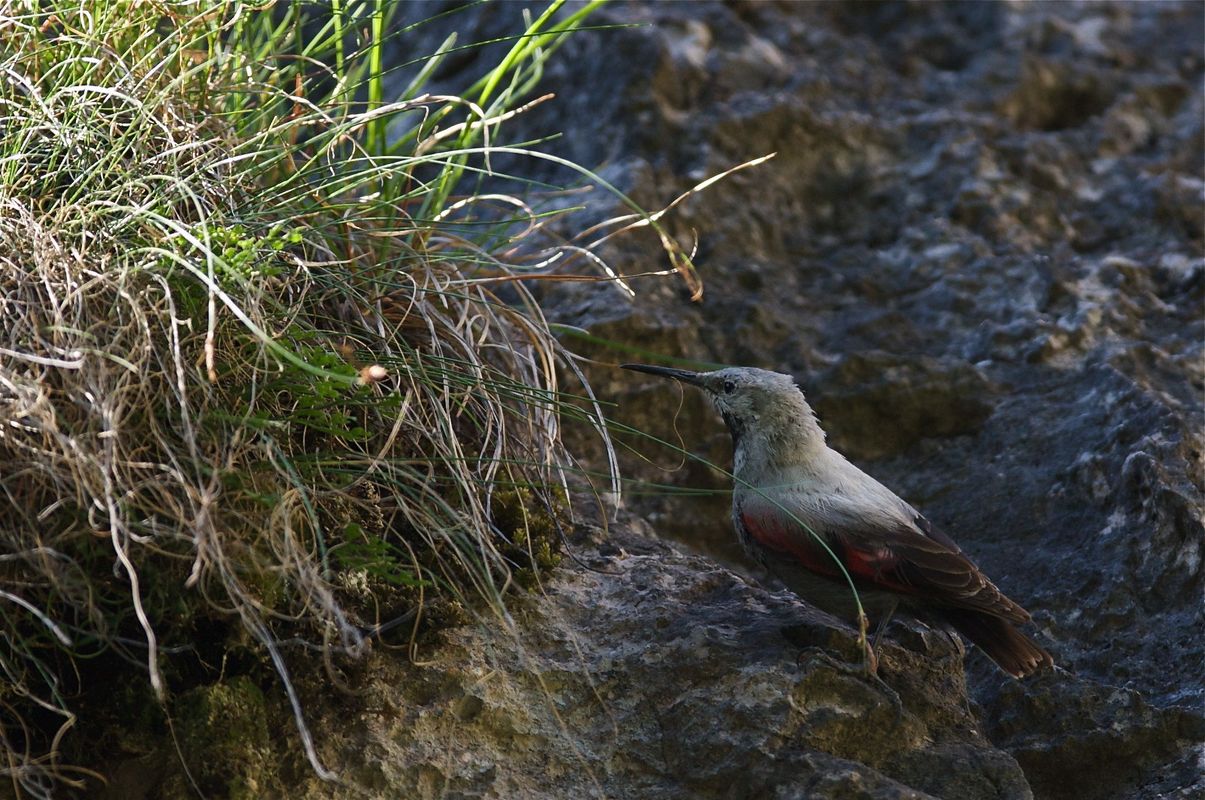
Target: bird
823 526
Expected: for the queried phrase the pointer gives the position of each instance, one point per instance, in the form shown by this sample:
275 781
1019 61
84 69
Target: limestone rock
658 674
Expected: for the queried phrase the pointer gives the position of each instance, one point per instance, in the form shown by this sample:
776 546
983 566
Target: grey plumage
793 493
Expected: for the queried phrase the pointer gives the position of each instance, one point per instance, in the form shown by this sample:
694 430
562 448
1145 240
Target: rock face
658 674
979 248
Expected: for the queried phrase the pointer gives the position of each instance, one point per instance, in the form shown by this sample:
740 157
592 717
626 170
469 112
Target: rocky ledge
648 672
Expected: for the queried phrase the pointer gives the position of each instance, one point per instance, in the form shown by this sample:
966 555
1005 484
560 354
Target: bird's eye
729 386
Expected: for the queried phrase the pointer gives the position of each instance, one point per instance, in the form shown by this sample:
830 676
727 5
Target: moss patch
222 732
530 530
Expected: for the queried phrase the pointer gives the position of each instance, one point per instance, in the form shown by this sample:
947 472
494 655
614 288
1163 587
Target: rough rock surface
659 674
979 248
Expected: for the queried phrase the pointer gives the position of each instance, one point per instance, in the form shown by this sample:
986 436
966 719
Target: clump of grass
255 366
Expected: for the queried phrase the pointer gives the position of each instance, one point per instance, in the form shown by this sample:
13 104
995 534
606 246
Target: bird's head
749 399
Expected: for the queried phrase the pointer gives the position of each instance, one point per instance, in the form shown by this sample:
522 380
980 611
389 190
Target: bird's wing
878 552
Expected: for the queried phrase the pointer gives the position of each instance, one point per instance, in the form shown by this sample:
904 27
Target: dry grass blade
239 379
262 370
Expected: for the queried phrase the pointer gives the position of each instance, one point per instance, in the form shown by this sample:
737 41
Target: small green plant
230 311
375 558
255 377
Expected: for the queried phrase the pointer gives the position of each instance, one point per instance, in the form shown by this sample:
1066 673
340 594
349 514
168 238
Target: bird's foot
884 621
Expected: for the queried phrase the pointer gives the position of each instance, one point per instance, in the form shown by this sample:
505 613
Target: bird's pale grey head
749 399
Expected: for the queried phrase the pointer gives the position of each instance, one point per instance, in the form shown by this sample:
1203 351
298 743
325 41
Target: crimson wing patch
898 559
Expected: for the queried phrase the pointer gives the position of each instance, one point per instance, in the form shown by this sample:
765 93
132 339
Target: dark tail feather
1013 651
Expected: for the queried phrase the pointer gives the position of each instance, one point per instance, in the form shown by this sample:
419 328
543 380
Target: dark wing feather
932 566
915 561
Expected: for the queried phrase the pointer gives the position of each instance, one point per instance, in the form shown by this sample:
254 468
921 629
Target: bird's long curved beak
684 375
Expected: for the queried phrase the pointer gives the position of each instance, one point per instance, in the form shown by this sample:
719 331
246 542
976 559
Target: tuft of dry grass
247 370
269 365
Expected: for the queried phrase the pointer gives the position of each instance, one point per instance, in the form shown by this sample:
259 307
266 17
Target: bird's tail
1013 651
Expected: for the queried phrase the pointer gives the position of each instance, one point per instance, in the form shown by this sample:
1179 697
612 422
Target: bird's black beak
684 375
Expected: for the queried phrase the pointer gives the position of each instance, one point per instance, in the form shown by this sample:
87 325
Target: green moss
222 731
531 531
